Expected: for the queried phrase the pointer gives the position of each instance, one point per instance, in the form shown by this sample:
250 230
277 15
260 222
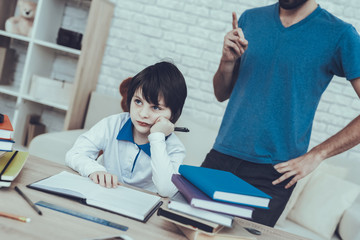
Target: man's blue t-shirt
282 76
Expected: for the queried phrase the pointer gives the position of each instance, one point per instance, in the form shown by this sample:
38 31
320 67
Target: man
274 68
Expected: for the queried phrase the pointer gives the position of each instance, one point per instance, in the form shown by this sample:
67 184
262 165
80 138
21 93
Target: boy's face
144 115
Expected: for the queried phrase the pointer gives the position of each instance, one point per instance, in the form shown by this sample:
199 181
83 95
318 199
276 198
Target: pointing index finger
234 21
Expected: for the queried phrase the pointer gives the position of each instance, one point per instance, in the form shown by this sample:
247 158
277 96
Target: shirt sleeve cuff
156 136
91 168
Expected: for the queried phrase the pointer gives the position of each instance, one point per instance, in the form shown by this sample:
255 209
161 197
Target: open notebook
122 200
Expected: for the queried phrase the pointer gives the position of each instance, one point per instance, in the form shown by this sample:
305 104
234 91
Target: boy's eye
137 101
156 108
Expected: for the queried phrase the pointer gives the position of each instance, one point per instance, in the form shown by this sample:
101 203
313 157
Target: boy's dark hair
161 79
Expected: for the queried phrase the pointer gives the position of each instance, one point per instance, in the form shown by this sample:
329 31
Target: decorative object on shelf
52 90
69 38
6 60
23 23
33 128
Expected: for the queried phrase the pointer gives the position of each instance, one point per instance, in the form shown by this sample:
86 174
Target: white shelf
9 90
58 47
38 58
14 36
45 102
43 57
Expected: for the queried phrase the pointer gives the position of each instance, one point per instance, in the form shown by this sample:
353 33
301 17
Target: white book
178 203
122 200
5 183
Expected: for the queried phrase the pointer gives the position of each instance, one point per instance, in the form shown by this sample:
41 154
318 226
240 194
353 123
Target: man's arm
225 77
342 141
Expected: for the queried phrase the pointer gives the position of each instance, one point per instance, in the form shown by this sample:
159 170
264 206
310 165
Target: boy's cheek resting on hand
162 125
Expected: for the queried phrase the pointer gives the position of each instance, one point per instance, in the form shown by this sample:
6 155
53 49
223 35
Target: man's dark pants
258 175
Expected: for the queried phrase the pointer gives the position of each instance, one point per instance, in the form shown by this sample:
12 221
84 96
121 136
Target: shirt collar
126 134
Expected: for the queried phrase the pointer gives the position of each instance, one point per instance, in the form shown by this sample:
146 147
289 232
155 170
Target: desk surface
56 225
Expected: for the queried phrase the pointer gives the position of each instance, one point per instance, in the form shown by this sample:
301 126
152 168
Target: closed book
237 232
5 183
122 200
225 186
198 199
6 145
11 164
187 220
179 204
6 128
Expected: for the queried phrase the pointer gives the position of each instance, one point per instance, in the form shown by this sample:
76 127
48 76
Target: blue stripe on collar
126 134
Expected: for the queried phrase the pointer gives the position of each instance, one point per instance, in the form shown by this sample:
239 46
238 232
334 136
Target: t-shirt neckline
298 24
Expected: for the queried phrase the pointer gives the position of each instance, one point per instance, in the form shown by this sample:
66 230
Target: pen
181 129
12 216
28 200
253 231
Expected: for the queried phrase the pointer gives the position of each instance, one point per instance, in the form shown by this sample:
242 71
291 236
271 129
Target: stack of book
209 199
11 164
6 134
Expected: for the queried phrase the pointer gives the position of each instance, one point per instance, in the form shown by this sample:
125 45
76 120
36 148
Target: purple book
197 198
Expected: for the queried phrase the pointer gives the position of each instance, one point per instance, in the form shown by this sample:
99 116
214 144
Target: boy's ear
123 89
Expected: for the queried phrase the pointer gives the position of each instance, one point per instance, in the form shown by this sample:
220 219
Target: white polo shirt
149 166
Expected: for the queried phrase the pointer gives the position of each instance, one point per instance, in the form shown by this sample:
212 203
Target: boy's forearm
164 164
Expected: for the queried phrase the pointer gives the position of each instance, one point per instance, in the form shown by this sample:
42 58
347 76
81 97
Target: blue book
196 198
225 186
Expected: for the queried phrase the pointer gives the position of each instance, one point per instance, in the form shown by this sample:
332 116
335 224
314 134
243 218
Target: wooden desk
56 225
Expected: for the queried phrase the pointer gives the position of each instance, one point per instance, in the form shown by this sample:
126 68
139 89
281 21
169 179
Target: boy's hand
105 179
162 125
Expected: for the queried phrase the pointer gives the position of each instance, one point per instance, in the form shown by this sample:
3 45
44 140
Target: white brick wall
191 34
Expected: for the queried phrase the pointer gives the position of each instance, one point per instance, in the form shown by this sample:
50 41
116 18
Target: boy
138 146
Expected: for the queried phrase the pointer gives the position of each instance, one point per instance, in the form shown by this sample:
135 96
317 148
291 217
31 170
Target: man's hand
162 125
297 168
234 47
104 179
235 43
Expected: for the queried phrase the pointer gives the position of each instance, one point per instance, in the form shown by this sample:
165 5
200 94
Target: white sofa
296 219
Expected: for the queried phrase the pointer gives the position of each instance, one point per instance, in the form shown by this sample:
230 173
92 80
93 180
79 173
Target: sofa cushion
350 223
323 167
292 200
53 146
199 141
297 229
322 203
